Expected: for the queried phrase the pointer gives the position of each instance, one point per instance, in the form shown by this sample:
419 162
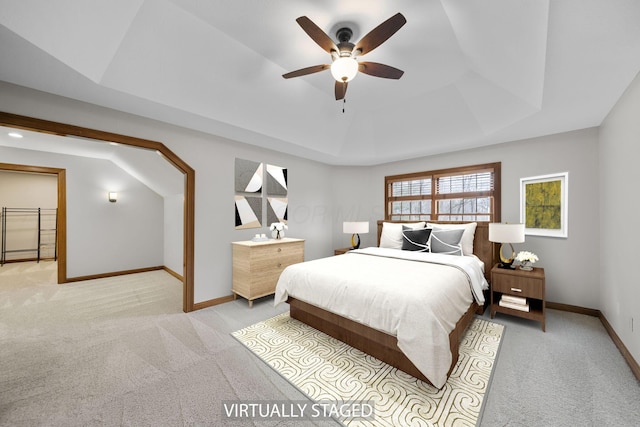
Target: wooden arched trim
62 129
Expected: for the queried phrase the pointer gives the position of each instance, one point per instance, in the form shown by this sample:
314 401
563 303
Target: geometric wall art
276 181
248 176
277 209
261 191
544 205
248 212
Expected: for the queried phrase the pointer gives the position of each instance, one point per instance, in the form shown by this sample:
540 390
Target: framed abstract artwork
260 191
544 205
248 176
248 212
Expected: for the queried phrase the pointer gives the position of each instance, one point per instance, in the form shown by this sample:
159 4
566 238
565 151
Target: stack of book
516 303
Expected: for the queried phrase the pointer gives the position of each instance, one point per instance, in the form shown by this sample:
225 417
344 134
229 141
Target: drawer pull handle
279 249
516 290
279 264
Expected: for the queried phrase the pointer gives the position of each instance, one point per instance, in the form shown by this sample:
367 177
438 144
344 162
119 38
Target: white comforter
417 297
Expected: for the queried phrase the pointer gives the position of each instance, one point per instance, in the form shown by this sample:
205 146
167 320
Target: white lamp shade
506 233
344 69
355 227
113 196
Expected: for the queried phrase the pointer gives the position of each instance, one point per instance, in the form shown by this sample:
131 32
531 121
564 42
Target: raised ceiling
477 72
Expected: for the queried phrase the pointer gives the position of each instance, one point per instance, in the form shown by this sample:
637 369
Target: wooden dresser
257 265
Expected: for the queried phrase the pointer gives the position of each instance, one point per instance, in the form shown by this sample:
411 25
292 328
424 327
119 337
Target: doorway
61 129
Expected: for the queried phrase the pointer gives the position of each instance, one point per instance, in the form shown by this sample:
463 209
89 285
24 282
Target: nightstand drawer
518 285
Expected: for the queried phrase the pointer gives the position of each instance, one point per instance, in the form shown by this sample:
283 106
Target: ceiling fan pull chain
344 101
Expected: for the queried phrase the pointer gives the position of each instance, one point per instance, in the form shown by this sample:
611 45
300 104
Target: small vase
277 234
526 266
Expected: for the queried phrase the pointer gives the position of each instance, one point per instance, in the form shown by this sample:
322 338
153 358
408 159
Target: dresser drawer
518 285
276 256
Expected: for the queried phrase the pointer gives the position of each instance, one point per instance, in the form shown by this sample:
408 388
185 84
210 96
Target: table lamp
354 228
506 234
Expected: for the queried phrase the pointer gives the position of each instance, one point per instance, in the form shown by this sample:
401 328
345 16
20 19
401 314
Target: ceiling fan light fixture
344 69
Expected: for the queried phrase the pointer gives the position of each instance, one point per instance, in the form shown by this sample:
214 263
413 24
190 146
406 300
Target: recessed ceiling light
15 135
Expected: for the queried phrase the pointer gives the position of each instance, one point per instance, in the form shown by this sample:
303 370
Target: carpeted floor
328 370
120 351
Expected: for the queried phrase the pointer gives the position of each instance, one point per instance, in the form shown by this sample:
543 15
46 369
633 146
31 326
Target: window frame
494 195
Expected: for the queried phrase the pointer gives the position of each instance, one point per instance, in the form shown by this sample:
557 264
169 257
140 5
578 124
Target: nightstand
341 251
518 285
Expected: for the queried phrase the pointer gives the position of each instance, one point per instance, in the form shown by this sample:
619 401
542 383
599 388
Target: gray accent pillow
446 242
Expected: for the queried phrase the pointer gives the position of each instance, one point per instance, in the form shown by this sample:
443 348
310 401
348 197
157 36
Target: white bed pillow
391 236
467 237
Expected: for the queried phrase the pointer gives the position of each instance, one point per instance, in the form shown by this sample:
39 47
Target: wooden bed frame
383 346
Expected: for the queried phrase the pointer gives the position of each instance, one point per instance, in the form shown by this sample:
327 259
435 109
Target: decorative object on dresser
257 265
506 234
277 230
518 293
354 228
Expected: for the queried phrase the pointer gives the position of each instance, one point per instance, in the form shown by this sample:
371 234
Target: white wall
310 183
102 236
174 233
619 152
28 190
571 274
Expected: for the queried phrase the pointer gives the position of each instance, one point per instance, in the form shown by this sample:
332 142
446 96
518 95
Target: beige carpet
326 369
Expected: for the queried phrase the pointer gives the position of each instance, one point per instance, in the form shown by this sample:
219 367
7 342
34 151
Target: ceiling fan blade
341 90
380 70
317 35
305 71
380 34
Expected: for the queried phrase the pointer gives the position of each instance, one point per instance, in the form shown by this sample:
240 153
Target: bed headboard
482 247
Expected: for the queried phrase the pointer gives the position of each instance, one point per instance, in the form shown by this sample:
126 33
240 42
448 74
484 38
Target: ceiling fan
345 66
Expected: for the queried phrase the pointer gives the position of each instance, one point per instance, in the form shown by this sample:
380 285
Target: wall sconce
113 196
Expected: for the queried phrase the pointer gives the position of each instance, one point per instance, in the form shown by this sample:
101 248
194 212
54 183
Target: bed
359 299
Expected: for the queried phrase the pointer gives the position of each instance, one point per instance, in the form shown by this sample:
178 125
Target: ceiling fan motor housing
344 46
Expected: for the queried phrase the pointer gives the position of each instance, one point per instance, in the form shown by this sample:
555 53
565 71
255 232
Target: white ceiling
477 72
145 165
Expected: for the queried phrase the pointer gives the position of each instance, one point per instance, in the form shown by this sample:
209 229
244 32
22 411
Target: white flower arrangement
278 226
526 257
277 229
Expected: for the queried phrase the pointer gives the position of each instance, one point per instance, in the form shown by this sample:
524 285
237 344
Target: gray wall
310 183
571 274
619 152
102 236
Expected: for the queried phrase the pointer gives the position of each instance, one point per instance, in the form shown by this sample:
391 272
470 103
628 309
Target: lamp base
355 241
504 261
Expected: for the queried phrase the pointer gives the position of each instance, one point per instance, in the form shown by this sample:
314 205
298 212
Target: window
470 193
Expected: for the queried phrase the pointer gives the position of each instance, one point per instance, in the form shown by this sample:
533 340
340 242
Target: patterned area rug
326 369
